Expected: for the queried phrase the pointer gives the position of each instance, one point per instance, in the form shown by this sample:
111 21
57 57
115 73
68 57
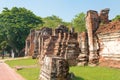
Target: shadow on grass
78 78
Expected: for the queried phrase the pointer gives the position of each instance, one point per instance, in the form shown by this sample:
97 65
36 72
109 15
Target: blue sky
65 9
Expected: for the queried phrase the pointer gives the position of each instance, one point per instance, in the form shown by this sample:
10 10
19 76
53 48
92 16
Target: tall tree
79 22
52 21
15 25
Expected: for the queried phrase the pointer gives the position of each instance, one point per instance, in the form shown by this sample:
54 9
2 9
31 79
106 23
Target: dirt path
6 73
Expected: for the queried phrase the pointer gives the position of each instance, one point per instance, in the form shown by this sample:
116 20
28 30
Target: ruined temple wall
104 15
109 49
92 23
29 46
72 49
63 44
83 45
109 45
104 47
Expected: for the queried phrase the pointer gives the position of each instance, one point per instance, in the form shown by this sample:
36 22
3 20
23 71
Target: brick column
104 15
83 56
92 23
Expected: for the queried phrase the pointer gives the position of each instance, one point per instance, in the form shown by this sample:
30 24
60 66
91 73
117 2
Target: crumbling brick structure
83 45
29 48
92 23
34 42
98 44
104 16
109 44
62 43
103 38
55 68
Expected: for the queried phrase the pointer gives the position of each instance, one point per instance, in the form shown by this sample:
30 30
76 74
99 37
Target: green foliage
15 25
68 24
52 21
3 45
79 22
116 18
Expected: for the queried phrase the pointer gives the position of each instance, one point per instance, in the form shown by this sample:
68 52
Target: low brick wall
109 63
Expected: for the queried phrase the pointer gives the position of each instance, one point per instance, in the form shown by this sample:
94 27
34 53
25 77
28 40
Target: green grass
22 62
30 73
81 73
27 73
95 73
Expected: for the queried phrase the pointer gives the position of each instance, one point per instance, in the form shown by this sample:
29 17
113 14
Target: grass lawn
95 73
30 73
22 62
27 73
81 73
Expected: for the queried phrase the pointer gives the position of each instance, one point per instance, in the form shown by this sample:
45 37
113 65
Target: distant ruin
99 45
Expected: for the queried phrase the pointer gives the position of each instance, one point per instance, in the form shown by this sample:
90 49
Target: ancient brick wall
104 16
92 23
83 45
29 48
41 36
34 41
104 40
101 41
109 49
54 68
64 45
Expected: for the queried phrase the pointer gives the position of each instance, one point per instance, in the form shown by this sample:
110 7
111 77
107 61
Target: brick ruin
100 44
55 68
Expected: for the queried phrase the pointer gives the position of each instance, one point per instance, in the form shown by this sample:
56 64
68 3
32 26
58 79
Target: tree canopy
53 21
15 25
79 22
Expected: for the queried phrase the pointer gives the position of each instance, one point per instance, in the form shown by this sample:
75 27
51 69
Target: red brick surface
111 27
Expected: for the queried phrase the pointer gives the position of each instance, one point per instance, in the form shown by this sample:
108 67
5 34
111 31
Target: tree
52 21
15 25
79 22
116 18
